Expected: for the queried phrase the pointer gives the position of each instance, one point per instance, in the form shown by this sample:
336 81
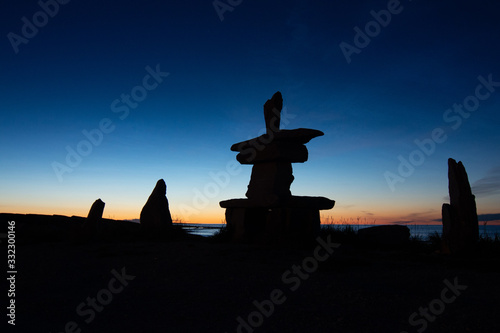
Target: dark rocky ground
195 285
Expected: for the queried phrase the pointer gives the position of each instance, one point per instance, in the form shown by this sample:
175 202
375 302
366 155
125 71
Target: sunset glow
98 106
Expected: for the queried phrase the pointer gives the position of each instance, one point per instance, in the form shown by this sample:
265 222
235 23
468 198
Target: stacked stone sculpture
460 223
270 212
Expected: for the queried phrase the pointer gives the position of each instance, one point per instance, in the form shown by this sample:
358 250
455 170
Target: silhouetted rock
275 151
271 213
284 146
155 215
292 220
272 113
385 235
460 223
318 203
270 182
299 135
91 225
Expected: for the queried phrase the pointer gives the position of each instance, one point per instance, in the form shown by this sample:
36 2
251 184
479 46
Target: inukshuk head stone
272 113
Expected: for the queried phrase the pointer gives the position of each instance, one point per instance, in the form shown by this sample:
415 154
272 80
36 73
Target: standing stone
460 223
272 113
90 227
155 215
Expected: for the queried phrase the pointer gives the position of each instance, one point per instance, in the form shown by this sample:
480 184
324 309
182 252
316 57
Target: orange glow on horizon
216 216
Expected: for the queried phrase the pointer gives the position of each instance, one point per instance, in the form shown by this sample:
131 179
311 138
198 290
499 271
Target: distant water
205 230
416 230
423 231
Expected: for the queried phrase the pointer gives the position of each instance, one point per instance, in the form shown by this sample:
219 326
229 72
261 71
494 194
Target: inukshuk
270 213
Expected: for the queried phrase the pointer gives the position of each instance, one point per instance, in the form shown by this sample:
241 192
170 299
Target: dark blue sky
395 89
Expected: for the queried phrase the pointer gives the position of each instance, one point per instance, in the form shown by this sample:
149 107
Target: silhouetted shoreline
66 223
198 284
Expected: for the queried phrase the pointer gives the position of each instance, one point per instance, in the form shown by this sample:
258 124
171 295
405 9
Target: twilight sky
101 100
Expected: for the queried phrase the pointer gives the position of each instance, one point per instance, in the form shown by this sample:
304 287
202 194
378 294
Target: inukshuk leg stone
459 217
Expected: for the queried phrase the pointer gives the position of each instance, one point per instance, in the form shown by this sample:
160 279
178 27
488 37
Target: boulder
155 215
385 235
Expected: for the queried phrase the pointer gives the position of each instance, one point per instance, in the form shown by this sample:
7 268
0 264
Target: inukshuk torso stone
270 210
